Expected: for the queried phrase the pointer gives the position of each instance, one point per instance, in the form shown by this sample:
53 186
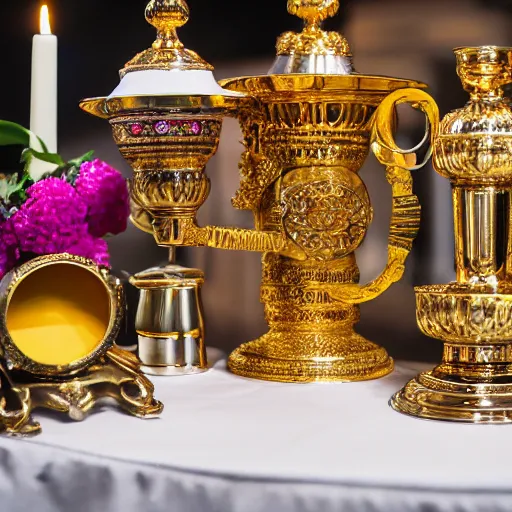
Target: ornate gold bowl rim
480 49
464 290
116 106
12 280
324 83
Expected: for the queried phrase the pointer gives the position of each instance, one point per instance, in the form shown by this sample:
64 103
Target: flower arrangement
70 208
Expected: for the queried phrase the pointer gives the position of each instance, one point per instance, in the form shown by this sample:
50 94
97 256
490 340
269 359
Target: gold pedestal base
449 398
302 357
116 376
311 336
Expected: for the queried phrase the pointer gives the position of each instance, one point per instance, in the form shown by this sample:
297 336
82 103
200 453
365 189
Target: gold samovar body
306 140
473 316
305 143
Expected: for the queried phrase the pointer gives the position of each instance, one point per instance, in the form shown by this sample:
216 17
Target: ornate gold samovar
308 127
473 316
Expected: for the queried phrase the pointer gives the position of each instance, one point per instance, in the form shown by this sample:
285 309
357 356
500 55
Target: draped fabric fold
226 444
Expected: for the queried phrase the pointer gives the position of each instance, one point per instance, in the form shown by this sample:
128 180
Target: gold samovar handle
406 214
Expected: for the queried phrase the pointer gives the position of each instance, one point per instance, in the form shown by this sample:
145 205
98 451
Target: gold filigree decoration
257 174
325 219
323 345
460 314
313 41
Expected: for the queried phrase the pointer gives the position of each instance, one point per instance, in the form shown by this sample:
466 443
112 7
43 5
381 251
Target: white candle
43 111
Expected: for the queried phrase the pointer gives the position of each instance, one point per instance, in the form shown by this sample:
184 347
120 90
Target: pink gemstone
196 128
136 128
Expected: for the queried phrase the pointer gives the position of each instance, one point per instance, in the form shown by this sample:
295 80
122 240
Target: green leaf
51 158
77 162
13 134
11 186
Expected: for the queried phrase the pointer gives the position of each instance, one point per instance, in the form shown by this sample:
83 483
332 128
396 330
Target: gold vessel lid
313 51
167 52
165 70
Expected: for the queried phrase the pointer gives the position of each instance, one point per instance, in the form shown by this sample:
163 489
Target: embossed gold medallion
308 127
473 316
59 318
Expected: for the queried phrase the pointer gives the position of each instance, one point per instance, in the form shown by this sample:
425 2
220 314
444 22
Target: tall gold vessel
308 127
473 316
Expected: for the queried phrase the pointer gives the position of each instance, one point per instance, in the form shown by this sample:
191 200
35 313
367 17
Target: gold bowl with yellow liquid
60 316
58 313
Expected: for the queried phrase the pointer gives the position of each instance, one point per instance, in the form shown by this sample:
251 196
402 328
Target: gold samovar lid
313 51
316 62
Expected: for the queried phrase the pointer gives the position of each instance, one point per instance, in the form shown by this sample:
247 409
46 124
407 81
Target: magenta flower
52 220
58 217
9 250
54 188
95 249
105 192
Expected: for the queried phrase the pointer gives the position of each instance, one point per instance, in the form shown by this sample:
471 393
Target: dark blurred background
405 38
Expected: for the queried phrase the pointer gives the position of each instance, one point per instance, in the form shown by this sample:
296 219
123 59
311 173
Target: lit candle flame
45 21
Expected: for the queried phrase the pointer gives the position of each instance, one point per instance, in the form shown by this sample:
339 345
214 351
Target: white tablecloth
228 444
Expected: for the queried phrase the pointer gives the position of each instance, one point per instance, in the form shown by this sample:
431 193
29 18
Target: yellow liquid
59 314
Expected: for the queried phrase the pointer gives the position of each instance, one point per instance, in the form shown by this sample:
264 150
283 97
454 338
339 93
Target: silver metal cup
169 321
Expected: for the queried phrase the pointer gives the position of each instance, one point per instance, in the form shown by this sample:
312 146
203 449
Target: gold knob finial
166 16
167 52
313 41
313 11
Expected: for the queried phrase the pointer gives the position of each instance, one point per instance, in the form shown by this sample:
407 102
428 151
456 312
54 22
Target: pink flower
105 192
95 249
9 250
52 220
57 219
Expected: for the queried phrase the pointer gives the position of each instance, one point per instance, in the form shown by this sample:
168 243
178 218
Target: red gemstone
136 128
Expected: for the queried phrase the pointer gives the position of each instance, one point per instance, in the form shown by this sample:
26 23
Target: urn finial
167 52
484 70
166 16
313 11
313 50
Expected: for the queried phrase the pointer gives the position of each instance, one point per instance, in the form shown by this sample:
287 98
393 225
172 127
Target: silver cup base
173 371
